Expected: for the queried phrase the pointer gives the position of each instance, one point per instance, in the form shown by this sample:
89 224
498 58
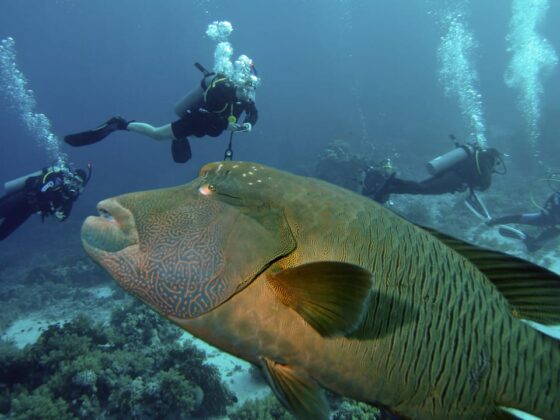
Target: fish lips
112 231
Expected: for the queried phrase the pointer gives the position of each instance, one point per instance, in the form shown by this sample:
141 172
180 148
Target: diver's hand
60 216
233 127
240 128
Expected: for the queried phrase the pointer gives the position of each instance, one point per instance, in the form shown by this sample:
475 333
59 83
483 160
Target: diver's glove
60 216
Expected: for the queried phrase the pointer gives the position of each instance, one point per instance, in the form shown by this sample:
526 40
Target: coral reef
132 368
354 410
270 408
262 409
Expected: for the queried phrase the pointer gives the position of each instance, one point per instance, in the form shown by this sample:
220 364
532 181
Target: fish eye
207 189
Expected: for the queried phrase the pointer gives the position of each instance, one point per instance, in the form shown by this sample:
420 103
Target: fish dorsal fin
331 296
532 291
299 393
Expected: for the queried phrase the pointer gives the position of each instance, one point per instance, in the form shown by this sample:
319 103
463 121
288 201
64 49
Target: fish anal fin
299 393
330 296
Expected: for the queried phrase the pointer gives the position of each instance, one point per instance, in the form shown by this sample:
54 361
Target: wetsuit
473 173
466 174
548 218
46 194
219 104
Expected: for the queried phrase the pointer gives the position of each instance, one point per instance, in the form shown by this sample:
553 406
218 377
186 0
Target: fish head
186 250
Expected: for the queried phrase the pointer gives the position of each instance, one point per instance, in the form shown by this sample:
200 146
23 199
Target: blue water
363 71
390 77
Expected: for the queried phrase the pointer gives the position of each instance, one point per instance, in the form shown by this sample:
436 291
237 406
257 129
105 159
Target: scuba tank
18 183
194 99
447 160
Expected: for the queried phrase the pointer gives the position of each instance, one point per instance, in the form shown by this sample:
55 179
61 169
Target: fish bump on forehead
247 174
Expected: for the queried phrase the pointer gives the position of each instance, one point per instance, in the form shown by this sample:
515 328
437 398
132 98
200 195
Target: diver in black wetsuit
548 218
208 110
470 168
53 191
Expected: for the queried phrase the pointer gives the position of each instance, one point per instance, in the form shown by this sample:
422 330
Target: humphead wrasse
326 289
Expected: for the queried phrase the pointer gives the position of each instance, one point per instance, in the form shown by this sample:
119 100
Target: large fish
325 289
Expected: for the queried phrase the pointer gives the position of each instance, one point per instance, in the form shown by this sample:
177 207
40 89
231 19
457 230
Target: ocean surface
389 78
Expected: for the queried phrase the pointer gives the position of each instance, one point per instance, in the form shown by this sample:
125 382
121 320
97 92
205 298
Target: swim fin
513 233
181 150
476 205
97 134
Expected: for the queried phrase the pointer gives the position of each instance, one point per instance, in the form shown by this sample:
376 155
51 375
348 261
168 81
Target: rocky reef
338 165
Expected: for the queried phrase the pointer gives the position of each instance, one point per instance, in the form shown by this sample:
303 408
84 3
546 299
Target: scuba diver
467 167
374 178
213 106
51 191
548 218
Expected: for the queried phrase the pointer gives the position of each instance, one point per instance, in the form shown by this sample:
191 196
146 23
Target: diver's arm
251 113
552 204
484 180
64 210
157 133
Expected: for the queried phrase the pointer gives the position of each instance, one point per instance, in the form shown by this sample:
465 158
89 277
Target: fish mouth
112 231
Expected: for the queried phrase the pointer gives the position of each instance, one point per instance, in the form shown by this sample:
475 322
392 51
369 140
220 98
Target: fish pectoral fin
330 296
299 393
507 413
533 292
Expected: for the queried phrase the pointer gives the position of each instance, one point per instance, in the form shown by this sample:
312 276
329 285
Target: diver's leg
533 219
403 186
164 132
12 203
436 185
512 218
14 210
448 182
547 235
10 223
